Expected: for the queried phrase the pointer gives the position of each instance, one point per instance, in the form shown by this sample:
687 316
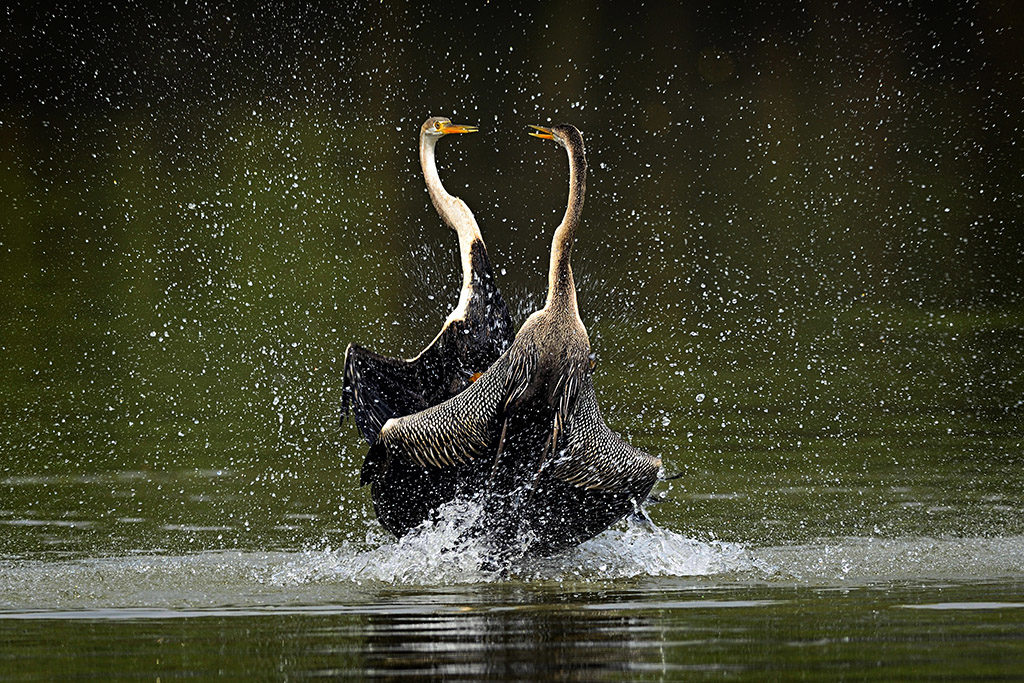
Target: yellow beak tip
544 134
459 129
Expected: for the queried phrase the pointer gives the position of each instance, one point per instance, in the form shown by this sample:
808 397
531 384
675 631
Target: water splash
438 551
358 574
655 551
436 554
441 552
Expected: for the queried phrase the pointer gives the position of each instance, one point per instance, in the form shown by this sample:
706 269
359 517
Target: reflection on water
650 629
520 640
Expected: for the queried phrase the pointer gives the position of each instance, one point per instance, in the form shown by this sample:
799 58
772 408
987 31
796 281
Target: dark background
801 258
877 147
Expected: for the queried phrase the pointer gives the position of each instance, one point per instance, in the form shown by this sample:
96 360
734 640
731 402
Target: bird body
594 480
377 388
556 474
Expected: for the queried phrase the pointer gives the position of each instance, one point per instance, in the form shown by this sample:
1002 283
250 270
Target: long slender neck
453 210
561 287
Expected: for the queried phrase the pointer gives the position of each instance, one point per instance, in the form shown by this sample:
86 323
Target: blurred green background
800 265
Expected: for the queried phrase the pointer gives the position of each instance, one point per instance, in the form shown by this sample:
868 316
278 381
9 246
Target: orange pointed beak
458 128
545 133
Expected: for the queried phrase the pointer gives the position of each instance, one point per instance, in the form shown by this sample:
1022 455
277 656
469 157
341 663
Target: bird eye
437 125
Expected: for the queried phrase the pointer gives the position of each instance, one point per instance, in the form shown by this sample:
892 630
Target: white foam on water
652 551
440 554
436 552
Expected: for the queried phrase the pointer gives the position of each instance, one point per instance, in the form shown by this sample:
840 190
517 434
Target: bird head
563 134
438 126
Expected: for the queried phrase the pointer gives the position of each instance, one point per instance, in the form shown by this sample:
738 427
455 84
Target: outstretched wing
449 434
377 388
593 456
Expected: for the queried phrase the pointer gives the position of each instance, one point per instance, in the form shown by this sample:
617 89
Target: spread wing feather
376 388
593 456
448 434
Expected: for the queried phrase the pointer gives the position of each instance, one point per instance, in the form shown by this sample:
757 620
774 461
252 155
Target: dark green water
643 630
800 270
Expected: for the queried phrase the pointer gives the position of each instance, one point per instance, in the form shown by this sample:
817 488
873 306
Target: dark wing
449 434
377 388
593 456
487 314
565 395
533 422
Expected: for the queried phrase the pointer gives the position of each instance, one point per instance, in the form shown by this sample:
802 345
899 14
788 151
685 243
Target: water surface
800 269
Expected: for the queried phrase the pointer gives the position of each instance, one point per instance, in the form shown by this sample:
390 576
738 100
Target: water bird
377 388
557 474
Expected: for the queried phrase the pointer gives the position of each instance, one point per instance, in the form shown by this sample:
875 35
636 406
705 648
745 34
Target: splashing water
442 552
439 553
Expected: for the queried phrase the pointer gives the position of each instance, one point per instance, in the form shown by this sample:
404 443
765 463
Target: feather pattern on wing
593 456
454 432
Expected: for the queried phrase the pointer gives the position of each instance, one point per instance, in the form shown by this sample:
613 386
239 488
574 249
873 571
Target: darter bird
528 432
377 388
